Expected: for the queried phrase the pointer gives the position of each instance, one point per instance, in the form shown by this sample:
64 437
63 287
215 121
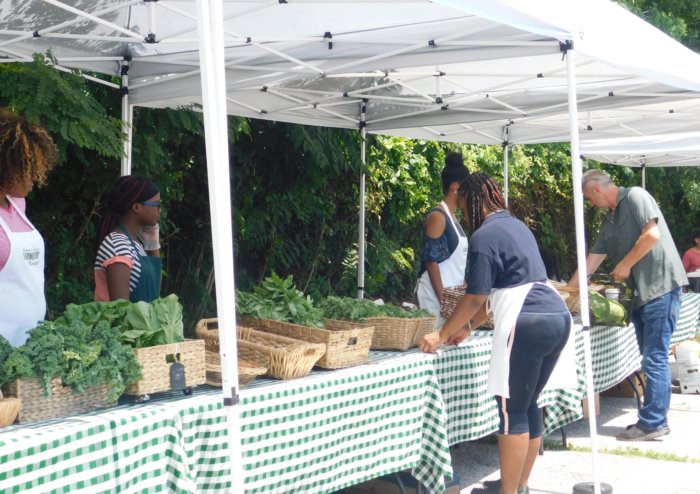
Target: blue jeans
654 323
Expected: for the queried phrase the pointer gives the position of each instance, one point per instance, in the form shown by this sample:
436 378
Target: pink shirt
691 260
15 223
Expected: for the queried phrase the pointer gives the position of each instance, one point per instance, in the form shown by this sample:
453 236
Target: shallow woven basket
157 360
284 358
345 346
62 401
9 408
451 297
571 295
247 371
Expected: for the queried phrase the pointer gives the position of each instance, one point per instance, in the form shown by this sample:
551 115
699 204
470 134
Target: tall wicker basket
9 409
62 401
156 362
391 333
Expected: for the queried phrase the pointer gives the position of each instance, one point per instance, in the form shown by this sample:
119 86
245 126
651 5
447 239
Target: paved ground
558 471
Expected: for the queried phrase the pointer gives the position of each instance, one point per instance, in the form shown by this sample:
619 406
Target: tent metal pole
361 240
644 175
506 176
211 54
577 172
127 120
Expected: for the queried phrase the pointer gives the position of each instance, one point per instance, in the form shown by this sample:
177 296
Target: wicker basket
571 295
450 298
9 408
247 371
345 346
399 333
62 401
284 358
156 362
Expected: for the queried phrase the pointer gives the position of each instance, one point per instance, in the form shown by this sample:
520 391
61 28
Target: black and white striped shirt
117 245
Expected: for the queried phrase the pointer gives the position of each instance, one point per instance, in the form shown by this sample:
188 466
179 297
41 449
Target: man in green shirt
635 236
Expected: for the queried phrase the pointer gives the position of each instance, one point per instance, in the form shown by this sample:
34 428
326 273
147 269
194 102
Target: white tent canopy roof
660 150
456 70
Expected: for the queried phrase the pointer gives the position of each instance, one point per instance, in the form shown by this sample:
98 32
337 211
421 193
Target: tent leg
577 173
127 120
211 54
361 239
506 176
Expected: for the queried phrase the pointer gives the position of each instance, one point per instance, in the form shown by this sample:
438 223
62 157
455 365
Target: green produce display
141 324
278 299
352 309
81 355
605 311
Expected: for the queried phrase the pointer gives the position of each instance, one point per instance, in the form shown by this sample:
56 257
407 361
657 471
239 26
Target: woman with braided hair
27 153
128 264
532 348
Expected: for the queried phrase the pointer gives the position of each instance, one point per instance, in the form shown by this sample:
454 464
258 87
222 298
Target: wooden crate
156 362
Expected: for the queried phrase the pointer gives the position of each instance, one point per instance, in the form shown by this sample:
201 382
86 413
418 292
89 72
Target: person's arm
593 261
461 319
434 228
646 241
118 275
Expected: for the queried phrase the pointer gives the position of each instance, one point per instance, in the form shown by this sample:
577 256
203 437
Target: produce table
311 435
462 371
314 435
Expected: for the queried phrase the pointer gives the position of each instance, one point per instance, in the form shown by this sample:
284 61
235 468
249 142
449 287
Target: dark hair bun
454 160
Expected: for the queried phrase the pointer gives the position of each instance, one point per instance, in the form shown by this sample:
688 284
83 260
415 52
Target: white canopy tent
396 67
682 149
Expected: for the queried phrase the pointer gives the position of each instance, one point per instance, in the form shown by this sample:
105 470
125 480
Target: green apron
148 287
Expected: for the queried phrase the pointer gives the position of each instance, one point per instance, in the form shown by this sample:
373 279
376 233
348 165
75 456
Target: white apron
451 272
505 303
22 301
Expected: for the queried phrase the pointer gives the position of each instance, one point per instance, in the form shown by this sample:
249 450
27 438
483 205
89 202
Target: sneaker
494 487
634 433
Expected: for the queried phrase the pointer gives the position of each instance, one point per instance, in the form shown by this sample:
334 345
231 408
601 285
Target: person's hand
430 342
461 335
621 272
150 237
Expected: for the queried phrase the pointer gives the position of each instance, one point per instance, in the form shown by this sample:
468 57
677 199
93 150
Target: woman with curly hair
27 153
532 344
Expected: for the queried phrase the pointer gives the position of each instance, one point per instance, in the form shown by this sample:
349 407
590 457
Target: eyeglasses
155 204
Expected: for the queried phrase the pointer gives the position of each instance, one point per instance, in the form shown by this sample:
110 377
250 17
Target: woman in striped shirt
128 264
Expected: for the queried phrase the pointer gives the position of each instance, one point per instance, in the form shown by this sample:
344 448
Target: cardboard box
389 484
584 405
623 389
689 375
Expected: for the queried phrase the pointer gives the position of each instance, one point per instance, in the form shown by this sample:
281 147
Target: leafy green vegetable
80 355
5 351
606 311
352 309
142 324
278 299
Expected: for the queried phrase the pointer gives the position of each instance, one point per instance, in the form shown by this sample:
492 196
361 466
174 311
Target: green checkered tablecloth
311 435
462 372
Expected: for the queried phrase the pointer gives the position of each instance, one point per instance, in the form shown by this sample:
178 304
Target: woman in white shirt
27 153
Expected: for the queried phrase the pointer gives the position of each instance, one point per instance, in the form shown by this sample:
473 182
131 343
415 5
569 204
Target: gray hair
594 176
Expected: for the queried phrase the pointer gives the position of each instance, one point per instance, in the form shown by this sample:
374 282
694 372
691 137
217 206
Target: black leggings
538 339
